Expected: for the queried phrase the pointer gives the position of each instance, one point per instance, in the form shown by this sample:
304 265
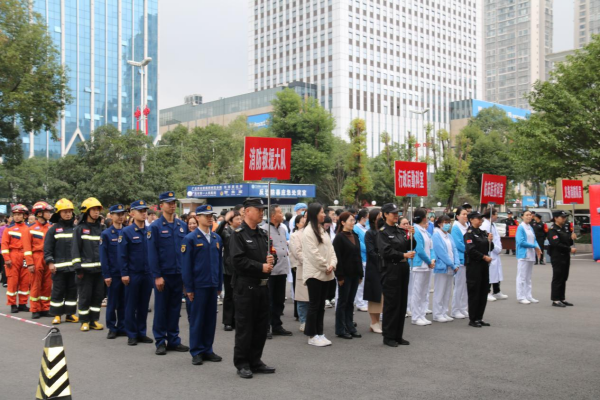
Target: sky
203 47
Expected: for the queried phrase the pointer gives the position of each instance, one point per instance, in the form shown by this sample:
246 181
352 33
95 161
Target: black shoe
182 348
197 359
390 342
121 334
23 307
475 324
356 335
132 341
245 373
566 303
345 336
558 304
483 323
355 324
404 342
111 335
144 339
269 335
46 314
5 285
282 332
161 350
14 309
228 328
263 369
35 315
212 357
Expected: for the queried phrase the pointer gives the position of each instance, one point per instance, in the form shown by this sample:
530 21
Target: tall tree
33 84
451 176
358 181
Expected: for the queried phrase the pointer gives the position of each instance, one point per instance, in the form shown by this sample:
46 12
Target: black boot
14 309
23 307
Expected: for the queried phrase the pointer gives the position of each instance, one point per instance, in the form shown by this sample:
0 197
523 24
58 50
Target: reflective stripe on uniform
34 298
90 237
11 294
63 235
90 265
13 233
96 309
70 303
28 253
76 260
44 298
63 264
82 312
24 293
37 233
53 304
5 251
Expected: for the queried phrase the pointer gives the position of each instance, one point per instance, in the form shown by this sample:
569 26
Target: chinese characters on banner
572 191
411 178
267 158
493 189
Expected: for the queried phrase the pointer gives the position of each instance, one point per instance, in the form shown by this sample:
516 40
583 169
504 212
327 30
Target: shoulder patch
469 241
469 231
183 248
382 228
555 237
239 229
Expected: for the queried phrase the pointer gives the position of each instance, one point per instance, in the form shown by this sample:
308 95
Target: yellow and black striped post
54 377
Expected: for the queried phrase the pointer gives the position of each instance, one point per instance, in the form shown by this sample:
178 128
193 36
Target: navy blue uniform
109 258
133 258
164 256
203 276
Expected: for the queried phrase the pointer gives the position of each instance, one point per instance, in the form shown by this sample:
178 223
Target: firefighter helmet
41 206
20 208
63 204
88 203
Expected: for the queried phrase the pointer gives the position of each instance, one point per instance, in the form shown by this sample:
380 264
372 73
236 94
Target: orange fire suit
16 249
41 279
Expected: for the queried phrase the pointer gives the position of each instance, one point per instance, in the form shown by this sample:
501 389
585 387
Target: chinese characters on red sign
493 189
572 191
267 158
411 178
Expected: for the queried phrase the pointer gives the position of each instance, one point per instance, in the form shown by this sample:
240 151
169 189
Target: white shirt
206 235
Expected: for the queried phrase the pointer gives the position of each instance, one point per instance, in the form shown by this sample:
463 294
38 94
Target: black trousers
541 259
331 288
495 287
228 307
251 303
63 299
394 284
294 286
2 271
560 273
478 282
277 285
317 291
91 293
344 310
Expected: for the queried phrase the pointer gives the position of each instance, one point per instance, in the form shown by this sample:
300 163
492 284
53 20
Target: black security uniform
248 249
560 256
478 271
540 236
392 242
57 250
228 307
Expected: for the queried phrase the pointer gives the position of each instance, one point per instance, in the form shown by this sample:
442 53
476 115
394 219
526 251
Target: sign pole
269 180
412 221
573 216
491 225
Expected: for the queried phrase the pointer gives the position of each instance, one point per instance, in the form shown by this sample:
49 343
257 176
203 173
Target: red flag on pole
572 191
266 157
493 189
410 178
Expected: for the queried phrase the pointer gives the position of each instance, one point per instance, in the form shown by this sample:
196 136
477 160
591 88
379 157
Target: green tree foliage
564 131
33 84
450 177
32 180
358 182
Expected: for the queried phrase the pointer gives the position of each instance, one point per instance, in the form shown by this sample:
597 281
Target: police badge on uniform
149 234
120 237
183 248
181 230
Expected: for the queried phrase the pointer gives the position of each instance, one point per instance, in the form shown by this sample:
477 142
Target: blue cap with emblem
139 205
205 209
117 208
167 197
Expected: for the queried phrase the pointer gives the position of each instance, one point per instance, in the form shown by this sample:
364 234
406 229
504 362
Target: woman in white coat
446 266
527 248
296 261
490 217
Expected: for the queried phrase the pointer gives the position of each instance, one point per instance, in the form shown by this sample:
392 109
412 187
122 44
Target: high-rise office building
517 37
587 21
396 63
96 38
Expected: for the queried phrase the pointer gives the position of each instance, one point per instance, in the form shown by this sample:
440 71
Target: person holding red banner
477 262
490 216
560 252
421 266
527 248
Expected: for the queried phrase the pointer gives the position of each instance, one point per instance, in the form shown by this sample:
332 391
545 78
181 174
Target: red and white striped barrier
25 320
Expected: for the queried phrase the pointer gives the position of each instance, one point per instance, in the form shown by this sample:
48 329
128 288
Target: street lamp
439 204
142 66
373 203
417 144
335 202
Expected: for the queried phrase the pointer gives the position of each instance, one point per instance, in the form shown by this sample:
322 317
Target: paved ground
530 352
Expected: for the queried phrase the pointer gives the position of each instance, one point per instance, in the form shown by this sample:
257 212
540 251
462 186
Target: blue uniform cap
167 197
117 208
139 205
205 209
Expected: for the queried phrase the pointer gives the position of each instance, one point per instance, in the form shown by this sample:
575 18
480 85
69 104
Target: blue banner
529 201
512 112
259 121
282 191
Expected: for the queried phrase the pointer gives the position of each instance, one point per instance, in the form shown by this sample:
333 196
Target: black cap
254 202
389 208
509 212
560 213
474 214
466 205
537 215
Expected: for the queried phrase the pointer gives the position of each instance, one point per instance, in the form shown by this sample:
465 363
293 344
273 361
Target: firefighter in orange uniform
41 278
16 250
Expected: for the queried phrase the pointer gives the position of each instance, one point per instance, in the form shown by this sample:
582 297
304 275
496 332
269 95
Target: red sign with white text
572 191
267 158
411 178
493 189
